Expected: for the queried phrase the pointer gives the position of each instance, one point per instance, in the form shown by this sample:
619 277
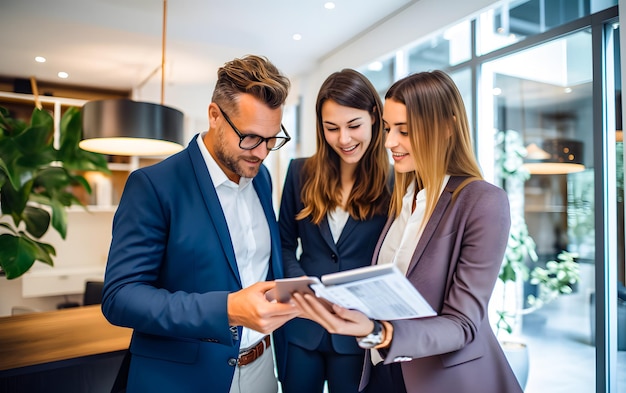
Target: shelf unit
106 189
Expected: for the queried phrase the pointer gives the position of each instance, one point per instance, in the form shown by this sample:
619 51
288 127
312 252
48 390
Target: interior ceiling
117 44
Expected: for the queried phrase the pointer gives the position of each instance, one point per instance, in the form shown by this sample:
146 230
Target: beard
242 165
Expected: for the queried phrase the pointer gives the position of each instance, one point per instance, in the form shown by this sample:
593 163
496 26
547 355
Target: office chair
93 293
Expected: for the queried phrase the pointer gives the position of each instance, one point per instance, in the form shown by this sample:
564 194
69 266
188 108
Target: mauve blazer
170 269
320 255
455 266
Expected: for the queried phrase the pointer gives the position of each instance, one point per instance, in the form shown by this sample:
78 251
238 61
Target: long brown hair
439 133
321 191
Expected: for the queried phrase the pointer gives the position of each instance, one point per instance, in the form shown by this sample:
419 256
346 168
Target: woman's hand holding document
379 291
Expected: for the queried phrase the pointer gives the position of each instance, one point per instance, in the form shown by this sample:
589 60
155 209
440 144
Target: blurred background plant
520 262
36 180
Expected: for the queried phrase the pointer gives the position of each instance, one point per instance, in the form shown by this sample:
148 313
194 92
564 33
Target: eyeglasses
250 141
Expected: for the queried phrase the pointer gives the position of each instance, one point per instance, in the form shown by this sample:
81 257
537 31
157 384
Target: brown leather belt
250 355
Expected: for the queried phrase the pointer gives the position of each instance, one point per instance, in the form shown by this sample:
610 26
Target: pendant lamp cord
163 52
33 87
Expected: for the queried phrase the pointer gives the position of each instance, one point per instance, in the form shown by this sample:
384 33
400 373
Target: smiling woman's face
347 130
398 141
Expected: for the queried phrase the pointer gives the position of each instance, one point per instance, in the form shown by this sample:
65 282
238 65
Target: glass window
463 80
381 73
513 21
449 48
540 110
614 112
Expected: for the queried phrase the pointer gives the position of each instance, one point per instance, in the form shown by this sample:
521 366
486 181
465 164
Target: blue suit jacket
320 255
170 268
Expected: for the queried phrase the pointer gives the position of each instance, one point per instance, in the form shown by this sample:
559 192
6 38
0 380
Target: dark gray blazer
455 266
320 255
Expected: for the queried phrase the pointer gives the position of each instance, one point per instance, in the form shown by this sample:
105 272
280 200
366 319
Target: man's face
253 117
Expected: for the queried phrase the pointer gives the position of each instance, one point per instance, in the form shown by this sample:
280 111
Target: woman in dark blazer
334 204
447 231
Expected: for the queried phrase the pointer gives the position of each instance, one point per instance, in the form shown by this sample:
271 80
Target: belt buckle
252 354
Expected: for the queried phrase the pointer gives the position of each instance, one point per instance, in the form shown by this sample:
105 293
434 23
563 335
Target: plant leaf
59 218
44 252
13 201
16 255
6 174
37 221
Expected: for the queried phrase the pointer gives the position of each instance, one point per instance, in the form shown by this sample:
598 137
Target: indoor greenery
36 180
557 277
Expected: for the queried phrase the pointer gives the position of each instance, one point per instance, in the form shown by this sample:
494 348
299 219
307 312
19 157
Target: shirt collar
218 176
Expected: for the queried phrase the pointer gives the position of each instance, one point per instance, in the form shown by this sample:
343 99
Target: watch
372 339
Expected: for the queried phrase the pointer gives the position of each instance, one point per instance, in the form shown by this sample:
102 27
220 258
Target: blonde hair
321 191
439 133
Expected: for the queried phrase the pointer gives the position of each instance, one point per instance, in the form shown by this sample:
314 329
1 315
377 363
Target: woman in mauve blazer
334 204
447 231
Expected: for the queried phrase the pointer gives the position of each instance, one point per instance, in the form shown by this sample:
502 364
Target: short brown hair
254 75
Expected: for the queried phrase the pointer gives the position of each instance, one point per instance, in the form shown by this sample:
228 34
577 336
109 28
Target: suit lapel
324 228
263 188
435 218
212 203
349 227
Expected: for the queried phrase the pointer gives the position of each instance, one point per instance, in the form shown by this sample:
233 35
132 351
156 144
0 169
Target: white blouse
403 236
406 230
337 220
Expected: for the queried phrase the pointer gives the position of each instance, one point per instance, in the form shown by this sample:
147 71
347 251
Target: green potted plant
35 184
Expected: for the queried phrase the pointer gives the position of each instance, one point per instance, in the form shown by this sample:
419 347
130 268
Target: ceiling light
40 59
375 66
329 5
63 75
296 37
131 128
127 127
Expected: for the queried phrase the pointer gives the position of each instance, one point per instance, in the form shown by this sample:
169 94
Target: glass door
537 118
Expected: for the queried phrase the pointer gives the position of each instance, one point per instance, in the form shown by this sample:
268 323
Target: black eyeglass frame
280 140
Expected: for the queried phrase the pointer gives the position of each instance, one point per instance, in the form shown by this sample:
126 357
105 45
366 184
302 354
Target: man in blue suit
194 241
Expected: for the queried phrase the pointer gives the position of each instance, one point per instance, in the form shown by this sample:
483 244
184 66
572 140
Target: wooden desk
31 339
74 350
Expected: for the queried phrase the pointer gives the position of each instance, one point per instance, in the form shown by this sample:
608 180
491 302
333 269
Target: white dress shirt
249 231
337 220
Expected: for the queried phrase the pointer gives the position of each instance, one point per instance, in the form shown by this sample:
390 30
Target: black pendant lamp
127 127
562 156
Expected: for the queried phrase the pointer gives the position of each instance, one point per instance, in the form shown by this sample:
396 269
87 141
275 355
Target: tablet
286 286
358 274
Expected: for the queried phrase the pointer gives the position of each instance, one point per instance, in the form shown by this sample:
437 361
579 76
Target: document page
388 295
